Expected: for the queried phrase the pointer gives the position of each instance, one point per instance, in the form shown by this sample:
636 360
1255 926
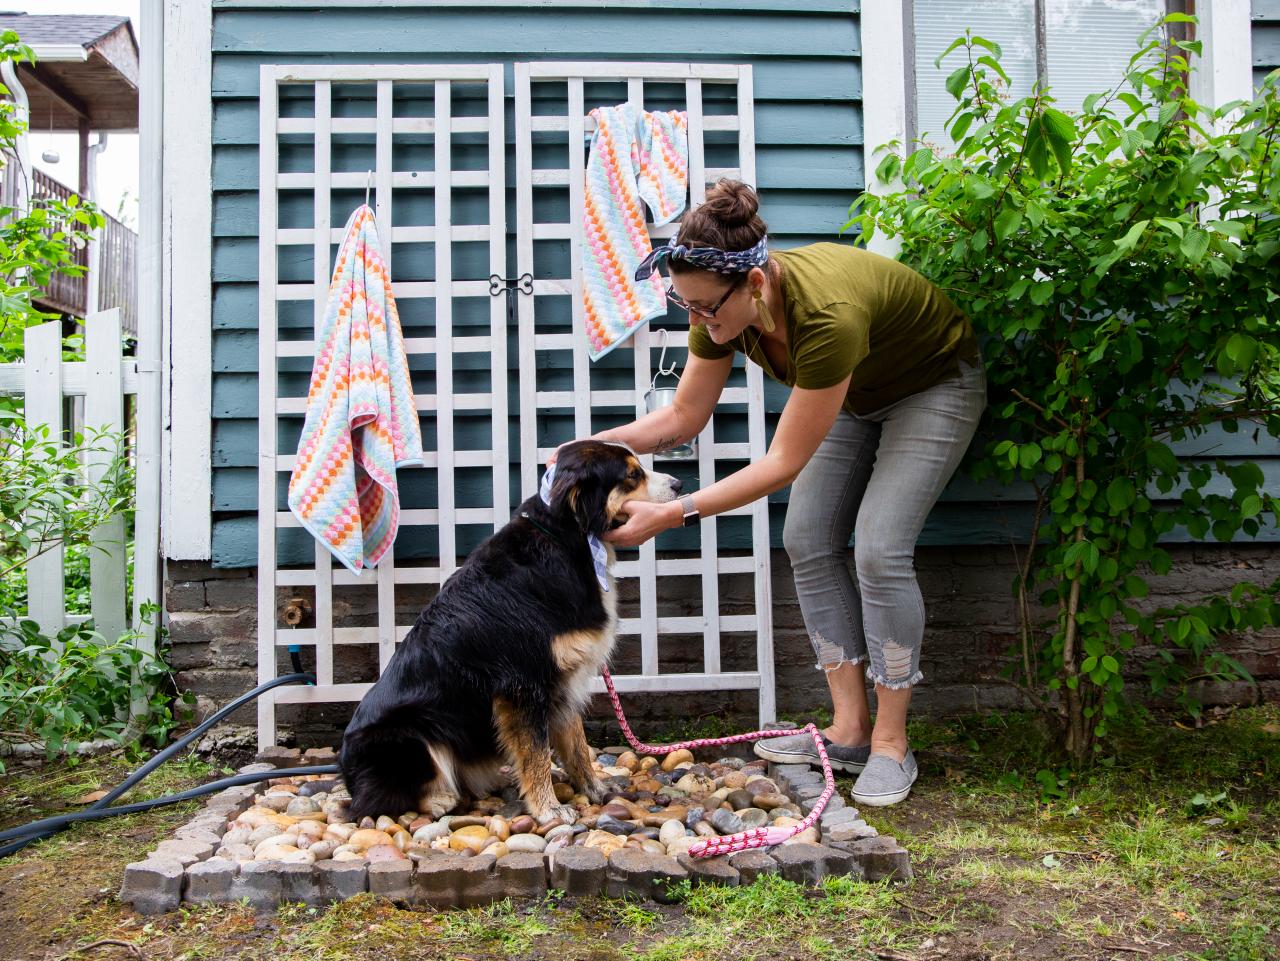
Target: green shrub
1122 266
79 686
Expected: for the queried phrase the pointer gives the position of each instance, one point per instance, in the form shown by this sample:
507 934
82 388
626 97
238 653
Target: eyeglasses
701 311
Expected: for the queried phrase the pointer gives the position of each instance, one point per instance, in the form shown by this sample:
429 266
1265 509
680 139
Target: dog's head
595 478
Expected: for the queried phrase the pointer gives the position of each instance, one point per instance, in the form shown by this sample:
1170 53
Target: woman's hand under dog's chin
645 519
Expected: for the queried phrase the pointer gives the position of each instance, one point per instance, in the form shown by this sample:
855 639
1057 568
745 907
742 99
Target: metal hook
368 182
663 371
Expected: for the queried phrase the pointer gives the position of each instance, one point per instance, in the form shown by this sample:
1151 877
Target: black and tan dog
497 668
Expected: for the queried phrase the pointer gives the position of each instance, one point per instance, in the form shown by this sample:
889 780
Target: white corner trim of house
1225 70
884 95
186 188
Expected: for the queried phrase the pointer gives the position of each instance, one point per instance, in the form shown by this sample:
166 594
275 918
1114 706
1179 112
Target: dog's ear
577 492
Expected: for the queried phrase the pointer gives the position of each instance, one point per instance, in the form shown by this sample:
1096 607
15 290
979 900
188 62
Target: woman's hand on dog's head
645 519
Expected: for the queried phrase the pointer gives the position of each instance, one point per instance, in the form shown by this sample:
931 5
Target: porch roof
86 69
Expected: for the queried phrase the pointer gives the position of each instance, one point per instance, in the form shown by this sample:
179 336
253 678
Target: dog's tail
385 771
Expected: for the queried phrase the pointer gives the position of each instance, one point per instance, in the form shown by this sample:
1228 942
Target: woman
887 389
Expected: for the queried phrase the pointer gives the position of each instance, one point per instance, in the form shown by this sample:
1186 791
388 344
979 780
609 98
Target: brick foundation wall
971 624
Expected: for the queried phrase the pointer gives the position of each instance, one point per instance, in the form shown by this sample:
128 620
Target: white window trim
1224 74
186 191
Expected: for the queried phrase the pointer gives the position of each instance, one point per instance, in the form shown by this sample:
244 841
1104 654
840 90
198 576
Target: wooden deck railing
117 257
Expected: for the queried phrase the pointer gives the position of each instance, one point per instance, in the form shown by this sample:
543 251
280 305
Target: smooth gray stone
726 822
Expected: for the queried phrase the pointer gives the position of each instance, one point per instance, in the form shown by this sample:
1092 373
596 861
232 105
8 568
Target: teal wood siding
807 62
1266 38
808 118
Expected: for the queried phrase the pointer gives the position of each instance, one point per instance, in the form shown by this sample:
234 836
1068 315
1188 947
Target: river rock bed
291 838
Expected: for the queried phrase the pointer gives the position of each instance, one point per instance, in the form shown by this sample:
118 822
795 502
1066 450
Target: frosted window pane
1010 23
1090 43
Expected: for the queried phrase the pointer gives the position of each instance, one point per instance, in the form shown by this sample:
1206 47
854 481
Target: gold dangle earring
762 311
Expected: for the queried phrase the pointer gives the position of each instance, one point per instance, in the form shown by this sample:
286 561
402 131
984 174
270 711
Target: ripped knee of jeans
897 667
831 656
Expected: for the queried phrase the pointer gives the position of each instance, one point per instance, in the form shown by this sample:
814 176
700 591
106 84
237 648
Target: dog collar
599 553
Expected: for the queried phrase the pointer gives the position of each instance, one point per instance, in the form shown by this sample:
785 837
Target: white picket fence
102 380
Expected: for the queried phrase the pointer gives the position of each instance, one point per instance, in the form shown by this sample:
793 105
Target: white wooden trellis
322 575
584 398
443 403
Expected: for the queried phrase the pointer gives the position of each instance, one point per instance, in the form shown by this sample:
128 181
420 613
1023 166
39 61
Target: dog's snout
676 484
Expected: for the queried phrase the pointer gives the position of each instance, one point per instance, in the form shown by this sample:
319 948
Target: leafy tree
1122 266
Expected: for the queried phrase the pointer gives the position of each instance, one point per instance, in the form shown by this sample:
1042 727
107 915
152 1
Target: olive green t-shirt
849 311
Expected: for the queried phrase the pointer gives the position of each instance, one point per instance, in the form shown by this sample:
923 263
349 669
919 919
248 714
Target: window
1077 47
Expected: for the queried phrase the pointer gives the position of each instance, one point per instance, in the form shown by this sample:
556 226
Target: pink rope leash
755 837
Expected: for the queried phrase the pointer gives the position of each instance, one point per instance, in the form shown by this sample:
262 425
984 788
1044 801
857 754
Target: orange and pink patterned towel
361 422
635 156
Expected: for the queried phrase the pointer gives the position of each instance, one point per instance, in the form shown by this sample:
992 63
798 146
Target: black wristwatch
689 510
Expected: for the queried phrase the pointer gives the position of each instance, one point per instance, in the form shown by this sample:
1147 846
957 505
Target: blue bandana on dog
599 553
706 258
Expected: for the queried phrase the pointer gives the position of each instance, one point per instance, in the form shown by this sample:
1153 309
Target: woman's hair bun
732 203
728 218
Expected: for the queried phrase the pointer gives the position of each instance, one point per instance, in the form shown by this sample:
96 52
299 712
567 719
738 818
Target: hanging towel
635 156
361 423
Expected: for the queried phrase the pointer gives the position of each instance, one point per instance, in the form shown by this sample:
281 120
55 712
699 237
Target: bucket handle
663 371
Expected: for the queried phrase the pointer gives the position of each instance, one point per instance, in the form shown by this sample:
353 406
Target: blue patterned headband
706 258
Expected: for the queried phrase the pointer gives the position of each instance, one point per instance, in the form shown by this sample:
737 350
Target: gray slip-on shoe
884 781
800 749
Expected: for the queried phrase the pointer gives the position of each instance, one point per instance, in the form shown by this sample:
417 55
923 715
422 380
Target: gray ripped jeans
876 476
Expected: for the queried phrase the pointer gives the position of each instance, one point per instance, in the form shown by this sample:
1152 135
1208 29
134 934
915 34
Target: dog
496 669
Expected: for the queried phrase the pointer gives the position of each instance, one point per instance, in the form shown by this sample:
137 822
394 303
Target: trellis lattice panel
426 145
696 611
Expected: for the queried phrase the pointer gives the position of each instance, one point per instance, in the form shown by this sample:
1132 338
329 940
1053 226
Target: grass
1167 849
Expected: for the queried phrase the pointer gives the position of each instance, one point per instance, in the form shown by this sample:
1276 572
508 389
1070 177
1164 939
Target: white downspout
18 192
147 588
93 281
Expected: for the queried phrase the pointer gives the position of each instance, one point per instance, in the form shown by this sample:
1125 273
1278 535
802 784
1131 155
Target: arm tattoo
665 443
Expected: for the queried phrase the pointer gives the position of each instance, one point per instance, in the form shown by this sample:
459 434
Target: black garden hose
48 826
38 830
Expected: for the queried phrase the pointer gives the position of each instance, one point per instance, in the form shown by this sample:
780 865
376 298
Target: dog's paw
595 790
561 812
438 805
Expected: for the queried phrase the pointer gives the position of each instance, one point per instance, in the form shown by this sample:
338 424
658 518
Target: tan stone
340 832
604 841
471 838
367 838
696 784
675 758
523 824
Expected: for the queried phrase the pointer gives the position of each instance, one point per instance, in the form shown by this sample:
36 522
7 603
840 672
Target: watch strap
689 510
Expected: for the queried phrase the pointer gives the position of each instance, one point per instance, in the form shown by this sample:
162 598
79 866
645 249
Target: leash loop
744 840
